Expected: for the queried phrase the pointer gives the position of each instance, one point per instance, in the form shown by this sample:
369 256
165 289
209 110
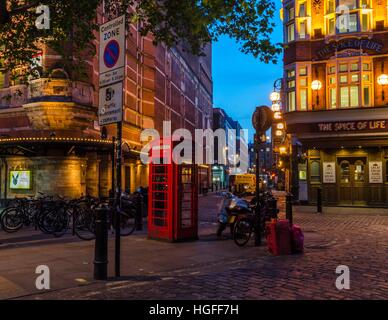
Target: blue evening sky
242 82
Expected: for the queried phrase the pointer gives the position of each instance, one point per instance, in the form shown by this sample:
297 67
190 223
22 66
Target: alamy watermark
181 147
43 20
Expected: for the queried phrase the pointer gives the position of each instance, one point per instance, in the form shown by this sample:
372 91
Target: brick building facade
49 127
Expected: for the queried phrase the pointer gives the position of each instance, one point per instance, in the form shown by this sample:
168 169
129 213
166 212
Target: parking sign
112 51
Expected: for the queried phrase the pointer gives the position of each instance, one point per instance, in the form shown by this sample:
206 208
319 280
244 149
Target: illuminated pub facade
50 140
336 100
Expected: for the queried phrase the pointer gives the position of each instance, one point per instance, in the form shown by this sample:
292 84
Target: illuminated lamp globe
283 150
275 96
316 85
280 126
276 107
279 133
382 80
278 115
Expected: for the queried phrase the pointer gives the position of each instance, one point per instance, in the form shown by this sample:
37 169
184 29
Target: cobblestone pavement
357 241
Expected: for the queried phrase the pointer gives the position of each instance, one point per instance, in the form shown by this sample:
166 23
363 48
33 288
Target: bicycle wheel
85 225
55 222
127 222
242 232
11 220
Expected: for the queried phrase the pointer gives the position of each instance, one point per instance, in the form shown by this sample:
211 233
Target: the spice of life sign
112 63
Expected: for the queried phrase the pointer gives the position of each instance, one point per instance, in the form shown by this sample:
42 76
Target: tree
193 22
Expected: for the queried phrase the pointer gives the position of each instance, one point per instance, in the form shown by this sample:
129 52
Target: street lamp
276 107
275 96
316 85
382 80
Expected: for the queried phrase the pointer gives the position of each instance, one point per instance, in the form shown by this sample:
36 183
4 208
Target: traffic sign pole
112 61
118 199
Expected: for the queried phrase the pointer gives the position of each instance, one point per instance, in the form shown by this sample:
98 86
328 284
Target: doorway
352 181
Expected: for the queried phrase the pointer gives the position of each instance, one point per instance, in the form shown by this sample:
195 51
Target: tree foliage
193 22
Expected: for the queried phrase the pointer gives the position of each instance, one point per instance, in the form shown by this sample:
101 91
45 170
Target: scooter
229 215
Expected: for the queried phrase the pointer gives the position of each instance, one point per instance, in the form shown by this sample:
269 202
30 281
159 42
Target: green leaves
192 22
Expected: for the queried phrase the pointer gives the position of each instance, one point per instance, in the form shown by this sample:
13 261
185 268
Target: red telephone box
173 196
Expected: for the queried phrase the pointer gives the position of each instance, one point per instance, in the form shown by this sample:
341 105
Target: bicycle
246 223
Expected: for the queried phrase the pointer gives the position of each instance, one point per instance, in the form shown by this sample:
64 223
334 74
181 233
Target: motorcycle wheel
242 232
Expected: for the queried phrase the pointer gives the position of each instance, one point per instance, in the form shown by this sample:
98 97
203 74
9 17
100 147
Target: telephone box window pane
160 196
160 204
160 179
159 214
160 222
160 169
161 187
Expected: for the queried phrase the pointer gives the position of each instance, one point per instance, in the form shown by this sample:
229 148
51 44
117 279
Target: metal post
101 244
289 208
319 200
118 198
112 193
258 213
139 212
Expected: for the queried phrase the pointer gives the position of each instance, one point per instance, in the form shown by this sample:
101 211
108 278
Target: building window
291 101
351 4
303 99
347 25
290 14
330 6
2 79
302 10
364 22
291 32
333 98
367 96
315 171
302 30
303 71
331 26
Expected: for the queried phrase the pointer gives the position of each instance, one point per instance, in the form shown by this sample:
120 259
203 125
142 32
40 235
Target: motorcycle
229 215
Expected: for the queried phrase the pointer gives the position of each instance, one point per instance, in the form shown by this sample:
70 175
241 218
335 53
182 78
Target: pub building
336 100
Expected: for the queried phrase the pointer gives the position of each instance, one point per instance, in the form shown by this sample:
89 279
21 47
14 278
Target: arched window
315 171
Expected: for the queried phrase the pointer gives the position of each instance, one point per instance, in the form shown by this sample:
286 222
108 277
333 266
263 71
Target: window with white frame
351 85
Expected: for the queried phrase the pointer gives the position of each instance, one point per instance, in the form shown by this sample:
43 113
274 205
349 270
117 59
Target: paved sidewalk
211 269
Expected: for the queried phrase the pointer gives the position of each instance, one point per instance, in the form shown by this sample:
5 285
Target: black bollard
101 244
289 208
319 200
139 212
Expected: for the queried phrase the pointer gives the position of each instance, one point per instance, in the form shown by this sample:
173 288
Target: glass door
352 181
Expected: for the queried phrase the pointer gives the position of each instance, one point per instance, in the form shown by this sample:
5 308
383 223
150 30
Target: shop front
346 158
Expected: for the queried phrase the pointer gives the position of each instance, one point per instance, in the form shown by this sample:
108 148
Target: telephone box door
187 204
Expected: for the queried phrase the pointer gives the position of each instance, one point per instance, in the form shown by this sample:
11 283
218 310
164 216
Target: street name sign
111 104
112 51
